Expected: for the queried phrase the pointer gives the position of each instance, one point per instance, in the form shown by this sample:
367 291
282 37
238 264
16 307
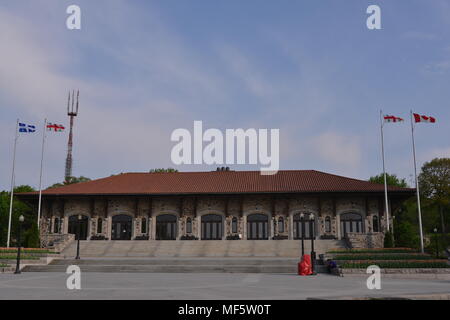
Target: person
331 265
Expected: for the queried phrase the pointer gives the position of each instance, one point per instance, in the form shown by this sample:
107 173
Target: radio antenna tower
72 112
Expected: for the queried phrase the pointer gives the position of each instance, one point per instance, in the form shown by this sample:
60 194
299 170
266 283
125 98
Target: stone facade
189 212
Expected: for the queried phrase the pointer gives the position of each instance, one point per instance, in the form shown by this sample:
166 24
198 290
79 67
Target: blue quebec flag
26 127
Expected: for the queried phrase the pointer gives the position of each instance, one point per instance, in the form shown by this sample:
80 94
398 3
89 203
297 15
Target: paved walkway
209 286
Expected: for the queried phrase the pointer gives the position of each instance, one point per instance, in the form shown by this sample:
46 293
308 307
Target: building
218 205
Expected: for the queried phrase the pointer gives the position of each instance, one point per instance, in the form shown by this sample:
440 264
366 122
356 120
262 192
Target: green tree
391 179
19 208
70 180
32 237
388 240
405 234
434 182
163 170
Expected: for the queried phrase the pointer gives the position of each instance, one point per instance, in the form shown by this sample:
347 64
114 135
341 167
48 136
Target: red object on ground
304 266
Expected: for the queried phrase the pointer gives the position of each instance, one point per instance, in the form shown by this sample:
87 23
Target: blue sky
144 68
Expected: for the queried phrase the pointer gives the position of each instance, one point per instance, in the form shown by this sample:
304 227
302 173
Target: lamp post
19 244
311 233
437 243
302 229
78 236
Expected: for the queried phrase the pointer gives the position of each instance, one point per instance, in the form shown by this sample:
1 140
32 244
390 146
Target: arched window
234 225
327 224
351 222
188 225
280 225
257 227
304 226
144 225
56 226
50 225
99 225
376 224
166 227
211 227
121 227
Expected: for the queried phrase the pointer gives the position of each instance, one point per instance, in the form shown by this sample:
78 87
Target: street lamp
311 233
437 243
78 236
19 244
302 229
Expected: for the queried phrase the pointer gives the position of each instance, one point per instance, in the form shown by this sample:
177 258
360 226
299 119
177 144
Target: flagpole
12 184
40 176
384 173
417 185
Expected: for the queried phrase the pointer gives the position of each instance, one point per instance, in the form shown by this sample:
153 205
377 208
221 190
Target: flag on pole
26 128
55 127
422 118
388 118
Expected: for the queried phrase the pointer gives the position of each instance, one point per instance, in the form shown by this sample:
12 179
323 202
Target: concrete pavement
210 286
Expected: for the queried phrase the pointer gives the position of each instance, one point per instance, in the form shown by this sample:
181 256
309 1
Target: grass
13 257
2 265
25 250
396 264
387 256
375 250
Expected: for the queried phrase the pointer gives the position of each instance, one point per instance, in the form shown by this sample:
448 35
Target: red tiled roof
220 182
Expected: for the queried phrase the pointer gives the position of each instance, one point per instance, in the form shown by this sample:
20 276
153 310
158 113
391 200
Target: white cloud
340 150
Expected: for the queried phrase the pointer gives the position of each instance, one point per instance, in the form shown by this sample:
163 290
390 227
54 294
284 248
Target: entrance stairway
195 248
241 256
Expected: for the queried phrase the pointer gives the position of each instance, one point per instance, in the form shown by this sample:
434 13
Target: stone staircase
173 265
240 256
195 248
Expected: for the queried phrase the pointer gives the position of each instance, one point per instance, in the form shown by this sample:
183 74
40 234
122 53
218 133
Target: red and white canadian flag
422 118
388 118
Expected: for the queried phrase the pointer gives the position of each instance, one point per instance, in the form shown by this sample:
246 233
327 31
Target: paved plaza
168 286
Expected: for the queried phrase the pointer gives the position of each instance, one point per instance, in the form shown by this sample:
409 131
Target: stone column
199 227
338 226
291 226
108 222
270 225
153 226
244 227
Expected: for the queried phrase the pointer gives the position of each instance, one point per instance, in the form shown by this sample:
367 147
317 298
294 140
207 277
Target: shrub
14 257
328 237
32 237
188 237
396 264
388 240
99 237
384 257
375 250
279 237
443 241
405 236
144 237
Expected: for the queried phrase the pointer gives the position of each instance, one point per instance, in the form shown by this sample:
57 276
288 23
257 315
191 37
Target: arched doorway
166 227
83 224
351 222
303 227
257 227
212 227
121 227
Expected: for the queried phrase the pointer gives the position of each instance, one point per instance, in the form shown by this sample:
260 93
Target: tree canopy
157 170
70 180
434 183
391 179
